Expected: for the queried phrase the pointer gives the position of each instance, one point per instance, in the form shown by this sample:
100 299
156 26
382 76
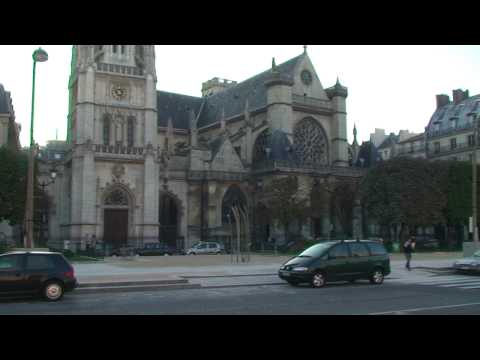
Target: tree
408 192
285 202
13 185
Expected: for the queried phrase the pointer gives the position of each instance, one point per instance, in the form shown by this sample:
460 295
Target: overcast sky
390 87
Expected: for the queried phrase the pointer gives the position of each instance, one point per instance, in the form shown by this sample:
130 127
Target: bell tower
112 119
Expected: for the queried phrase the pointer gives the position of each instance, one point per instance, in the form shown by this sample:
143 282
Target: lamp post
38 55
474 182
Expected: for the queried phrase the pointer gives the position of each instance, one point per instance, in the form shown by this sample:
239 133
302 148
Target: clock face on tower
306 77
119 92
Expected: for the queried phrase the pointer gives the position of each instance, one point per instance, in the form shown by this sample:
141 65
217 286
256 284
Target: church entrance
168 219
116 227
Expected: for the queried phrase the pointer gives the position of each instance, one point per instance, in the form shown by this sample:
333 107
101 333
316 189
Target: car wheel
53 291
318 280
377 277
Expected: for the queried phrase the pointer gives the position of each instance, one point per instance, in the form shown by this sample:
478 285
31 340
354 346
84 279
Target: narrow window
114 49
130 131
470 140
453 143
123 49
106 130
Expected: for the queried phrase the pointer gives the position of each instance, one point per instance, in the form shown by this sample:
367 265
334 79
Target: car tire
318 280
377 277
53 290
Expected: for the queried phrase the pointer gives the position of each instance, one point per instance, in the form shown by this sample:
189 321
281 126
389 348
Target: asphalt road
277 299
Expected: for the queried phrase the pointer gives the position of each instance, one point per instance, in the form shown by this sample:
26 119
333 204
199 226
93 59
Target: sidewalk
175 269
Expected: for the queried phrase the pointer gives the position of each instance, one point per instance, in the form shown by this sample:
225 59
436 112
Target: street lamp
38 55
474 181
44 203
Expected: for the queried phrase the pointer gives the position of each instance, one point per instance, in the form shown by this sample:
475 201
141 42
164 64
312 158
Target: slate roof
452 110
177 107
231 99
389 141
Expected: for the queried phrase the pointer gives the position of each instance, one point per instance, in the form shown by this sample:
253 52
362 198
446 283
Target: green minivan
346 260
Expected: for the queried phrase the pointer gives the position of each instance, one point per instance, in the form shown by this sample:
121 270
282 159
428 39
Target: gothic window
130 130
115 49
261 149
139 56
123 49
106 130
310 142
117 197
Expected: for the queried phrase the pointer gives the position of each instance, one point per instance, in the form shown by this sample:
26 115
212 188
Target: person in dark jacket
408 249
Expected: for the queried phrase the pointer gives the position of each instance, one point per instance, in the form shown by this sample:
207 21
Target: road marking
470 287
423 309
463 283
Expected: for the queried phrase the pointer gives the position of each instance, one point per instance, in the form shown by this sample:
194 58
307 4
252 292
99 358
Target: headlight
300 268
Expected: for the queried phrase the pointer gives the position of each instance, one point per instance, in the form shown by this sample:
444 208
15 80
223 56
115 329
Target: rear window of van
377 249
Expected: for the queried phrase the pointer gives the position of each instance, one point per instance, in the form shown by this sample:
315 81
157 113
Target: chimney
459 96
442 100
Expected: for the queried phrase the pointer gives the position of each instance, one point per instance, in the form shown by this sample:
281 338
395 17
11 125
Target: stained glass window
310 143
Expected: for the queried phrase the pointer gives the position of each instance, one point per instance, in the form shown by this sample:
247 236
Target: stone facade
145 166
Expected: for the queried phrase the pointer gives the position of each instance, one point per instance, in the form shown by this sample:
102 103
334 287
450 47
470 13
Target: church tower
113 136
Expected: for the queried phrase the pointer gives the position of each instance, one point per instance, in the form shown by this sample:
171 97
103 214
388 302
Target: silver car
471 264
206 248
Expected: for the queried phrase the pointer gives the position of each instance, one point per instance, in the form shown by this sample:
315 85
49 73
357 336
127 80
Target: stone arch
311 142
259 153
232 196
117 209
170 213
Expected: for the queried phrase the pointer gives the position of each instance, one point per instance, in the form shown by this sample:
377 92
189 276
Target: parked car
469 264
156 249
336 261
206 248
427 242
47 274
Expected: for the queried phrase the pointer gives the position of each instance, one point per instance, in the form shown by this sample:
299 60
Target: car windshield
315 250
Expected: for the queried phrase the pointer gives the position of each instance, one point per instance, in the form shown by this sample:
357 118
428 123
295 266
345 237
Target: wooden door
116 227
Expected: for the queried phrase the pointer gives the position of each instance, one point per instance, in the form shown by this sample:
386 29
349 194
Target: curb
134 288
222 276
131 283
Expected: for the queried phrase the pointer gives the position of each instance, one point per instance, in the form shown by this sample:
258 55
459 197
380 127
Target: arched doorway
115 220
168 219
233 197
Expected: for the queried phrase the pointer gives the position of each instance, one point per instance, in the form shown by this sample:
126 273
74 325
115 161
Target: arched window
130 130
310 142
260 149
106 129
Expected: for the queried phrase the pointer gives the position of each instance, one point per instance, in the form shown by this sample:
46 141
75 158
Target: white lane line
424 308
470 287
463 283
444 281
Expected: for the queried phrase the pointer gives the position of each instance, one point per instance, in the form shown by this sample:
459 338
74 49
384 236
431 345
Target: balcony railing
120 69
288 165
119 149
311 102
447 149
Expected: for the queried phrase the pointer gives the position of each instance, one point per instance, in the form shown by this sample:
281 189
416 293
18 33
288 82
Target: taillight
70 274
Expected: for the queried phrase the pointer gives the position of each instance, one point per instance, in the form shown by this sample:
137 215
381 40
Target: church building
145 166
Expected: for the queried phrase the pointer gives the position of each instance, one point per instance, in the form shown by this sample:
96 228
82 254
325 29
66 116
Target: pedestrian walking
408 249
